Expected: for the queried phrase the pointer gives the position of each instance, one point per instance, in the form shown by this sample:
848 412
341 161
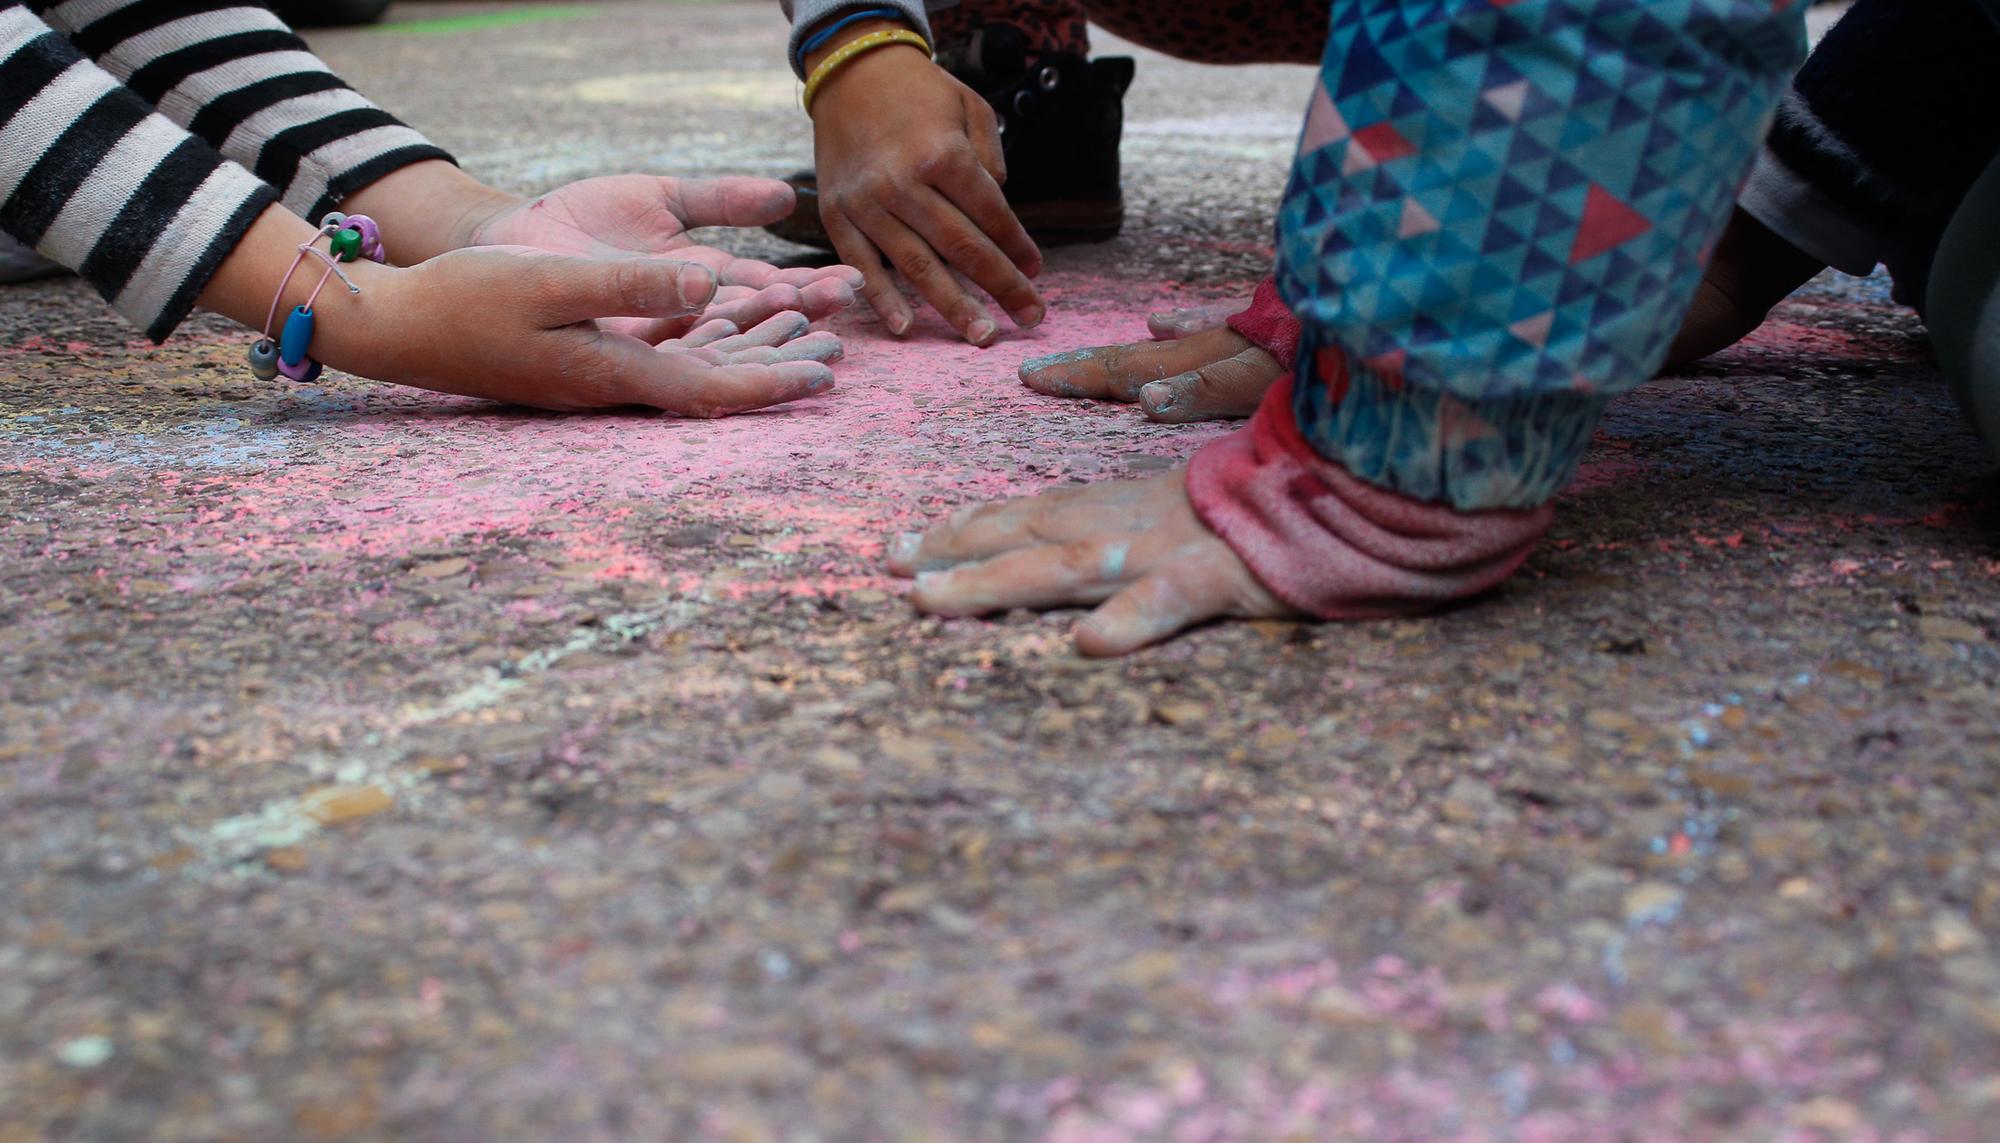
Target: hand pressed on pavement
1168 325
1134 549
910 168
1208 375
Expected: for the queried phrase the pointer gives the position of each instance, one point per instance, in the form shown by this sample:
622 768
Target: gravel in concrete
380 765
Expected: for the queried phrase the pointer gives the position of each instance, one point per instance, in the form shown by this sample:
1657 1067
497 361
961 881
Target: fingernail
899 324
821 383
1031 317
904 547
1156 397
928 580
981 331
697 283
1050 360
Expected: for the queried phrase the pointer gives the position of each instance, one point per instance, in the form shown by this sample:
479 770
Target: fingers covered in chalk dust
1134 550
1169 325
544 336
1211 374
652 216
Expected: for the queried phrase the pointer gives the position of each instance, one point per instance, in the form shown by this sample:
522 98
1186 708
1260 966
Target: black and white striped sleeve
94 178
236 76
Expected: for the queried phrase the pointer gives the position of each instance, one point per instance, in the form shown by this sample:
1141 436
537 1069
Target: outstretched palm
651 216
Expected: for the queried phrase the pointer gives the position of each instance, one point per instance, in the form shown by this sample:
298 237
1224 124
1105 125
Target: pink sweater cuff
1336 547
1270 324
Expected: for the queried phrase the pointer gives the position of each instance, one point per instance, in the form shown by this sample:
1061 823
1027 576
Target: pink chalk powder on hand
1336 547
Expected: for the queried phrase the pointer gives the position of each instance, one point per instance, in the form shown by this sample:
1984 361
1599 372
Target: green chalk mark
534 14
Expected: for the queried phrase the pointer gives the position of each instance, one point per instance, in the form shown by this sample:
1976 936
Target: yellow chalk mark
734 88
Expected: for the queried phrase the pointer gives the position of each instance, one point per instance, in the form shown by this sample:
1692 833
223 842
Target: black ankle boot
1061 117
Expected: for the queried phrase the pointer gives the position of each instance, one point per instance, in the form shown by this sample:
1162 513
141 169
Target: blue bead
298 335
263 358
332 218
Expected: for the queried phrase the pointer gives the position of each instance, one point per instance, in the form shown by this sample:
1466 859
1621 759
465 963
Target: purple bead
305 372
371 235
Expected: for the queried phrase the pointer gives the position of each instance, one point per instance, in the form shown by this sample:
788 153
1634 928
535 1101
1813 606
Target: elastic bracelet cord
818 39
853 49
348 237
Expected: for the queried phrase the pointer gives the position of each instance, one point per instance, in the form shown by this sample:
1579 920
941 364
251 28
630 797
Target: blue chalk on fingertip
1113 565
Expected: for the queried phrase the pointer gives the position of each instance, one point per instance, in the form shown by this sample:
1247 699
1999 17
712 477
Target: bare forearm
242 289
426 209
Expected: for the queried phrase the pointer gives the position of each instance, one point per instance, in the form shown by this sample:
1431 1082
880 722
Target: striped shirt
140 139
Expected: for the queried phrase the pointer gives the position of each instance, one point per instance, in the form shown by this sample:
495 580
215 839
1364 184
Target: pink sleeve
1336 547
1270 324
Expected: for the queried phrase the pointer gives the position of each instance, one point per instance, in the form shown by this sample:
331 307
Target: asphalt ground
382 765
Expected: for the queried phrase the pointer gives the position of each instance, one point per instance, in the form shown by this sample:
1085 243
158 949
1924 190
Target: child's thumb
584 289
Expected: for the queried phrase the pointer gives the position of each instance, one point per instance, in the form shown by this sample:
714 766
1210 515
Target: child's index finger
1109 372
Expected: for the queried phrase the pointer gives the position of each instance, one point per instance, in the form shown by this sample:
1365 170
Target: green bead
346 245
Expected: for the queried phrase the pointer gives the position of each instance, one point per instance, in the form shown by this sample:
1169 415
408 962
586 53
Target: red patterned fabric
1270 324
1335 547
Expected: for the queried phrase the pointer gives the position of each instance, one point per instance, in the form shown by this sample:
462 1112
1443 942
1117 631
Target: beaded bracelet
348 237
858 46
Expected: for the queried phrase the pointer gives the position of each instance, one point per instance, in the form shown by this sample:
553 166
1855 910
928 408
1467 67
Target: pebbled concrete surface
380 765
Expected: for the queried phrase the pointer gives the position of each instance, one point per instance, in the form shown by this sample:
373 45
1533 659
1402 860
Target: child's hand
651 216
1206 375
1135 546
1186 321
522 326
910 167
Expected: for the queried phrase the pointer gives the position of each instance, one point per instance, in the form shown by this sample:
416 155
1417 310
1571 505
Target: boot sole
1963 310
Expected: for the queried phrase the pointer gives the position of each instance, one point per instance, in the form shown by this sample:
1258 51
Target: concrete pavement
382 765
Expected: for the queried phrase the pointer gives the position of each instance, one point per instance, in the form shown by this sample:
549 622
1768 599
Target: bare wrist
356 332
427 208
351 331
888 68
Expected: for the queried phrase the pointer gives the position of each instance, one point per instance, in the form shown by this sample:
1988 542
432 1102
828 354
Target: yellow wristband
858 46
